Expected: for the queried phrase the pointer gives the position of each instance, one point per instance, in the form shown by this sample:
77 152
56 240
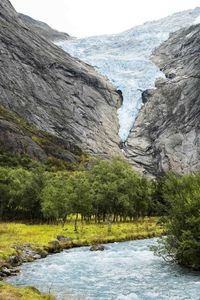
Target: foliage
117 189
182 243
54 147
110 189
20 193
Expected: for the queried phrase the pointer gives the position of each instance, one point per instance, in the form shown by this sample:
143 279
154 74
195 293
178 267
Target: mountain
166 135
54 105
43 29
50 101
125 59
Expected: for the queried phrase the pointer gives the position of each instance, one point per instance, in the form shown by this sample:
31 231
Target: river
124 271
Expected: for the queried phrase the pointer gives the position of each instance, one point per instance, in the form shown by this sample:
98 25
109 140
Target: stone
37 256
166 134
64 239
54 246
54 92
97 247
43 29
6 271
13 260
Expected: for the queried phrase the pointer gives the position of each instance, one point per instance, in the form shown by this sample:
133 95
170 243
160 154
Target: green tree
182 223
55 198
4 190
20 191
118 190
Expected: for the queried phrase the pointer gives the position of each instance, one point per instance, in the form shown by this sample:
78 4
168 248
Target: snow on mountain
125 59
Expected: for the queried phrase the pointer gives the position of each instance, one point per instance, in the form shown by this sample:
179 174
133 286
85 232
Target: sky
83 18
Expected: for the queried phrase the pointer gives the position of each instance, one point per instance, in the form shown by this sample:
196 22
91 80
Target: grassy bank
8 292
40 235
12 234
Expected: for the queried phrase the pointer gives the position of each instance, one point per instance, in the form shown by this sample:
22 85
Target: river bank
127 270
21 243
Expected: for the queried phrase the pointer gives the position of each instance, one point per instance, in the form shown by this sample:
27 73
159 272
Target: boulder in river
54 247
97 247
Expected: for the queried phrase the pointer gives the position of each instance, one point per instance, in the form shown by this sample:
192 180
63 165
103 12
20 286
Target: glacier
125 59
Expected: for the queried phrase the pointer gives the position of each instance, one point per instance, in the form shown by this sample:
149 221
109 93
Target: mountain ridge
53 91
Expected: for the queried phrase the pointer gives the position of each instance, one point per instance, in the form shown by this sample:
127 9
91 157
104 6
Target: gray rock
37 256
54 246
13 260
166 135
43 29
64 239
55 92
6 271
97 248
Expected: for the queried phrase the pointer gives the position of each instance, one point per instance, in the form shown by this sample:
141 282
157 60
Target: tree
80 196
20 191
182 223
55 198
4 190
118 190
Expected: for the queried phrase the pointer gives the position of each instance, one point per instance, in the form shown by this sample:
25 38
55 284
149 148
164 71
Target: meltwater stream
124 271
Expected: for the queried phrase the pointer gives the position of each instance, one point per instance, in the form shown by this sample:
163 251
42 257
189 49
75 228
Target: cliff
166 132
53 92
43 29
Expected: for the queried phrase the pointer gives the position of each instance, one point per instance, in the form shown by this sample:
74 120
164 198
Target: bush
182 244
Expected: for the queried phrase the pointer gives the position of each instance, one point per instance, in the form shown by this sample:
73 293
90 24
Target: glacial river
124 271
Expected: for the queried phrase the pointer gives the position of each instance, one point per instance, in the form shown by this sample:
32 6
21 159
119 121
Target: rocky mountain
166 135
43 29
160 92
66 102
125 59
52 104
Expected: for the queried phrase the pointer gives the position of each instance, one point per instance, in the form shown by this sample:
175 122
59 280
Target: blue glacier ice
125 59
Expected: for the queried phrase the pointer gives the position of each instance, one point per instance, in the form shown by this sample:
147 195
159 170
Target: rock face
166 135
125 59
53 91
17 136
43 29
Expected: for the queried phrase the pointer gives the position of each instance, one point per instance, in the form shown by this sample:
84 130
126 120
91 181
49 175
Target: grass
8 292
40 235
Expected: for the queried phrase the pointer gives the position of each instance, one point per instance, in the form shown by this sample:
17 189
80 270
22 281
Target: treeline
110 190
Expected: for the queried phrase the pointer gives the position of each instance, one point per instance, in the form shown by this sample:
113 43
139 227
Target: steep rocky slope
53 91
166 135
125 59
43 29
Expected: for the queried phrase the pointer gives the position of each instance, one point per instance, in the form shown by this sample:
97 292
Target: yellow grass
40 235
8 292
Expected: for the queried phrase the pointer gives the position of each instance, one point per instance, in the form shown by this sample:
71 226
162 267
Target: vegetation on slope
23 144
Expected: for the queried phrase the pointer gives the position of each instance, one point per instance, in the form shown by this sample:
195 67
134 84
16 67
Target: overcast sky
93 17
